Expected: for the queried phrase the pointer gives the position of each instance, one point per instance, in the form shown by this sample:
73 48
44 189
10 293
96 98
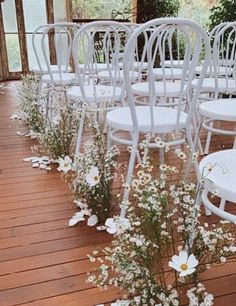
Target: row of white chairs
156 65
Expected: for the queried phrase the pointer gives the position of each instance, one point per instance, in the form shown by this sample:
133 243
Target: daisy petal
183 256
192 261
174 266
176 260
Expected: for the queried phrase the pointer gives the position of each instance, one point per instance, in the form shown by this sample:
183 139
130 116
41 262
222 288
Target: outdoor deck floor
42 261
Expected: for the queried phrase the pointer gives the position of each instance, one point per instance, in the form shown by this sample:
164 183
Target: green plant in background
150 9
225 11
96 9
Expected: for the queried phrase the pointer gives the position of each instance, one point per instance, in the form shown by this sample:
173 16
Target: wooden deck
42 261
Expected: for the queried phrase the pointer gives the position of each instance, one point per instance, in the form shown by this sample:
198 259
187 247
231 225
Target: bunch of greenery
92 176
56 131
60 129
30 103
224 12
160 249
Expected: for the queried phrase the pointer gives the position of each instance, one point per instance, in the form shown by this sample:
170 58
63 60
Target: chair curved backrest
158 33
38 31
224 56
63 37
213 33
99 43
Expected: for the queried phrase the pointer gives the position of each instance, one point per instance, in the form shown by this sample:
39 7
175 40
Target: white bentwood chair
95 44
167 90
56 76
224 108
218 172
155 120
63 36
41 67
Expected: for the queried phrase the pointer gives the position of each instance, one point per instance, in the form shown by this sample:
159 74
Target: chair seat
54 68
174 63
164 119
222 71
60 79
223 174
224 85
169 73
221 109
96 66
117 76
171 90
138 65
103 93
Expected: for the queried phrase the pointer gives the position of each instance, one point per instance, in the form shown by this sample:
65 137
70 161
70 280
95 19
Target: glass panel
13 52
197 10
9 16
95 9
34 14
61 43
59 7
31 55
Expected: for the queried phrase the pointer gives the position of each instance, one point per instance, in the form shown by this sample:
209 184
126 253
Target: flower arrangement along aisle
160 249
30 107
92 175
54 132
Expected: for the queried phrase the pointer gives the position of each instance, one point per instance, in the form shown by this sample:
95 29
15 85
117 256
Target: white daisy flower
92 177
117 225
183 263
65 164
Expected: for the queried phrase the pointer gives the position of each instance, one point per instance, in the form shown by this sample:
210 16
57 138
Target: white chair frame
158 27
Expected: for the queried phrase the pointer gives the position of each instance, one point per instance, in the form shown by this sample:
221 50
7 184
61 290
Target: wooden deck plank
42 261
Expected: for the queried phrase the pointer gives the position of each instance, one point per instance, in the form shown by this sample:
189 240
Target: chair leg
199 145
109 141
198 200
234 144
208 140
204 195
80 133
222 204
129 175
193 144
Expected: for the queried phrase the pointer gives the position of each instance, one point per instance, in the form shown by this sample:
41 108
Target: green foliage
150 9
56 133
57 139
96 9
225 11
29 107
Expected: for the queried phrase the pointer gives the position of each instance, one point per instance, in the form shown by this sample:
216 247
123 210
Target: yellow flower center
66 164
184 267
95 178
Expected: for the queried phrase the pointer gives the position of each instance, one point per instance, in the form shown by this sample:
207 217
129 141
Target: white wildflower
92 177
183 263
65 164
